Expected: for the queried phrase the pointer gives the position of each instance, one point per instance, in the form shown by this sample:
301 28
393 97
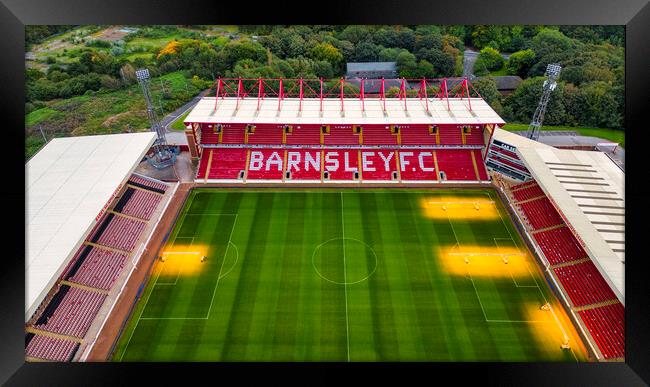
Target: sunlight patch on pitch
454 207
184 260
484 261
544 326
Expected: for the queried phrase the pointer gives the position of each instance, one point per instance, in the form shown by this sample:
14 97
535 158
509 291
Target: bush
520 62
491 59
98 43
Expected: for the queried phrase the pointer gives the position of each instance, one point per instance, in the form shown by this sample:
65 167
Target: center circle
344 261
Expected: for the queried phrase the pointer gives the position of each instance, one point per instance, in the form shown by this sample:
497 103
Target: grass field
346 275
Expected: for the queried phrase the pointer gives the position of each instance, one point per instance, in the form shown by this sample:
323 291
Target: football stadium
326 223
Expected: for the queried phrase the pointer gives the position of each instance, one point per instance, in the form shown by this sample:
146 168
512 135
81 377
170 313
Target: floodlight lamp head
142 74
553 69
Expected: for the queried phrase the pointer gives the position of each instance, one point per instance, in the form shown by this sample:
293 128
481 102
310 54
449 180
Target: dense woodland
590 92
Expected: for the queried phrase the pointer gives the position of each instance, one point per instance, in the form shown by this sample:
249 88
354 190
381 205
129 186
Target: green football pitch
346 275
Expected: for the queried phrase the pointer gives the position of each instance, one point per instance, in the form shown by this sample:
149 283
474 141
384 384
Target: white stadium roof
289 113
588 187
67 185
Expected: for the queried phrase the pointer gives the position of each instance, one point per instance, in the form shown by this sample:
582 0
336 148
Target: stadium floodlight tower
162 155
553 73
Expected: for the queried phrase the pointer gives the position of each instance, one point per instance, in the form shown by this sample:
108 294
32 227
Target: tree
482 35
442 62
486 87
430 40
367 52
386 37
323 69
406 39
355 33
491 59
520 62
549 41
599 106
327 52
347 49
407 65
236 51
524 100
389 54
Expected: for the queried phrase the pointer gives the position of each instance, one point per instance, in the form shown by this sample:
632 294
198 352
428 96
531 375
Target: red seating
49 348
266 134
341 135
456 164
341 163
510 163
121 233
529 192
607 326
265 164
203 164
378 135
209 135
100 269
294 147
522 185
417 165
227 163
480 165
559 245
304 135
75 313
233 134
416 135
505 152
584 284
141 204
304 164
149 183
541 213
450 135
475 137
378 164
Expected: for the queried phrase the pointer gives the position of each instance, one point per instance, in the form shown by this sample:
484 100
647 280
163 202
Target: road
176 137
171 117
469 58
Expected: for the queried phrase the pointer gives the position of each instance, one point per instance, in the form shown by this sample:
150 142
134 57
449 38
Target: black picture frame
15 14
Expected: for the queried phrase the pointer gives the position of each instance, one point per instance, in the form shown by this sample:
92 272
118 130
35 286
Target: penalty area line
225 254
140 316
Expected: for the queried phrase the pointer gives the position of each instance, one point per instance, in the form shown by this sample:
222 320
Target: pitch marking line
510 271
181 318
225 254
536 283
178 270
313 256
140 316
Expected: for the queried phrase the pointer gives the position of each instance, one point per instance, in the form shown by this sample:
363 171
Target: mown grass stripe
381 306
435 235
289 286
236 340
428 320
333 339
266 300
